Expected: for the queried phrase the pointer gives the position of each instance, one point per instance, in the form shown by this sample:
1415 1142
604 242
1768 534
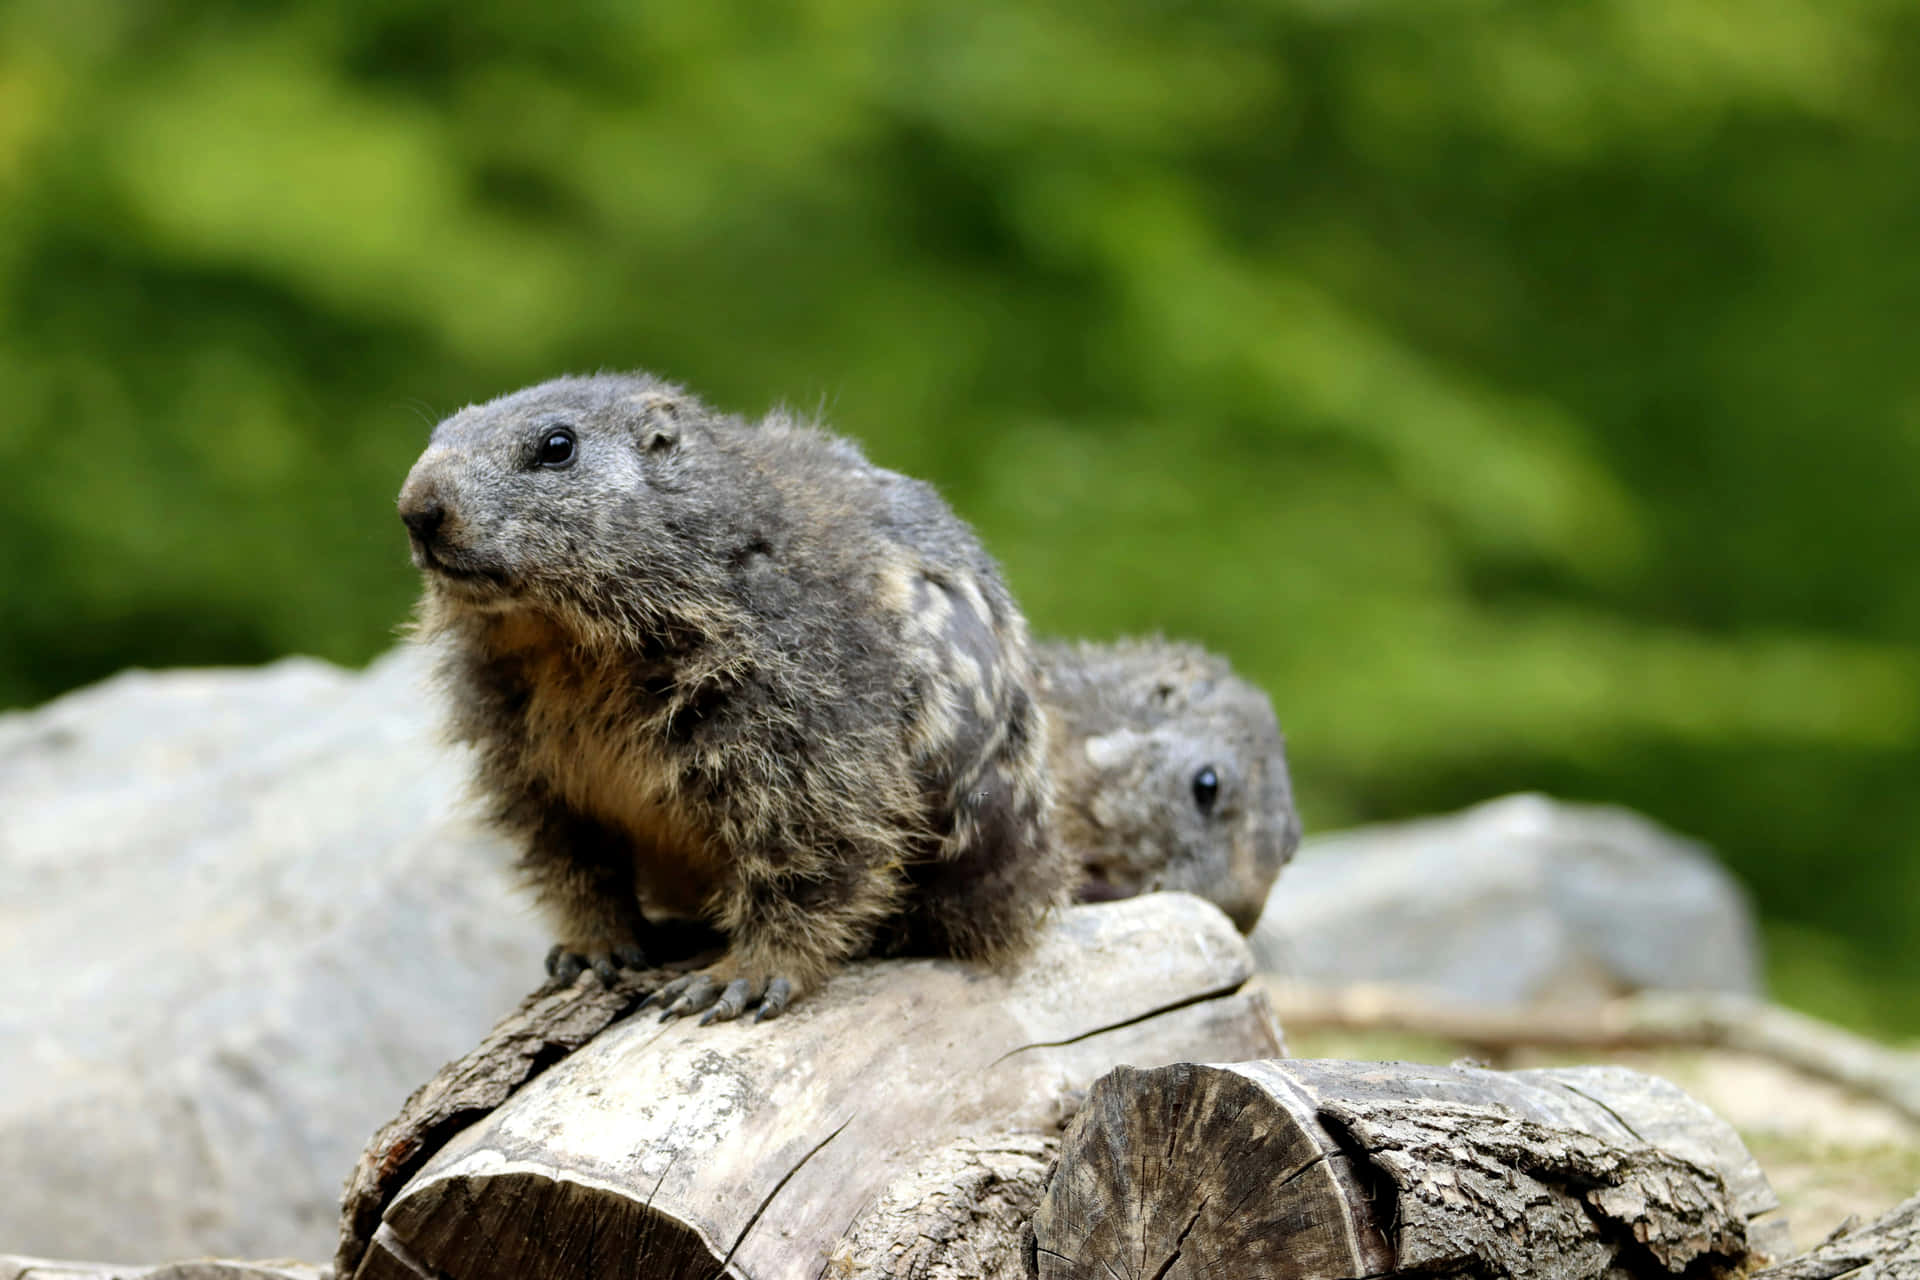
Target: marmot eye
556 450
1206 788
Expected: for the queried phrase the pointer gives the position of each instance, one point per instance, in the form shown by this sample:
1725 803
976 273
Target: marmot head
555 494
1173 775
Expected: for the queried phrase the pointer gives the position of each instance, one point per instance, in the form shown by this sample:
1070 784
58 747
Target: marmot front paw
697 991
566 962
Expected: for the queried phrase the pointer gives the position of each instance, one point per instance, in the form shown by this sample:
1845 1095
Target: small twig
1650 1019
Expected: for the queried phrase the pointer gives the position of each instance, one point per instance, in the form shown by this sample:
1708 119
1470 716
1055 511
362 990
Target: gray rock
1520 898
246 915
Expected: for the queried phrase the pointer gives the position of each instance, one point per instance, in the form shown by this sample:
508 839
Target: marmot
1170 773
732 671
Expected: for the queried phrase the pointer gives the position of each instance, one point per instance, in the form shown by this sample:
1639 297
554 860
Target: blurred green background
1524 393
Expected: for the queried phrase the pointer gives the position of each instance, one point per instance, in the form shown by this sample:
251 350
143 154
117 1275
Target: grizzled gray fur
731 671
1171 773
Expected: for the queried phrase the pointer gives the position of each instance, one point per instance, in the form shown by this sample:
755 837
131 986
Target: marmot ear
660 413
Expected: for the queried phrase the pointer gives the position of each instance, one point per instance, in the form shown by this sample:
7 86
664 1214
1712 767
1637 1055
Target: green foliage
1521 391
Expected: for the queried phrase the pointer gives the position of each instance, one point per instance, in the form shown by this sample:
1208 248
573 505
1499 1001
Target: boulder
247 913
1523 898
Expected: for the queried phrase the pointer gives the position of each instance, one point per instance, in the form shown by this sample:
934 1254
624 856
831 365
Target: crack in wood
777 1188
1174 1257
1382 1193
1579 1092
389 1240
654 1190
1302 1171
1220 1158
1136 1020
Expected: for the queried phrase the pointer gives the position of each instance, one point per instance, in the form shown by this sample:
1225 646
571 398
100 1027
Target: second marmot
1170 772
732 671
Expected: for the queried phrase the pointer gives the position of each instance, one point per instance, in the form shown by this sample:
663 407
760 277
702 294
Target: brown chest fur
583 740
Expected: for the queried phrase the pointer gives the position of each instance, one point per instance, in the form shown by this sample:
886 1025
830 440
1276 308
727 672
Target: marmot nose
424 520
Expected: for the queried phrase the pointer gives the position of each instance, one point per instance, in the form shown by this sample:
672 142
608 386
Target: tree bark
961 1215
1887 1248
1339 1170
896 1123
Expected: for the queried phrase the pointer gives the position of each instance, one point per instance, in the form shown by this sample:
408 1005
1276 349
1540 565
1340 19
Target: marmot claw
697 991
564 964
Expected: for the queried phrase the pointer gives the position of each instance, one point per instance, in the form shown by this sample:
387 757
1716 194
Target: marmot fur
732 671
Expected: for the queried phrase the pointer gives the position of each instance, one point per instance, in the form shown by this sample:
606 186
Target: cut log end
1188 1170
1336 1170
529 1224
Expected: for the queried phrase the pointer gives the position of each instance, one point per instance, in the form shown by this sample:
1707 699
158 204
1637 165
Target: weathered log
856 1136
548 1025
1887 1248
14 1267
1645 1020
1334 1170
